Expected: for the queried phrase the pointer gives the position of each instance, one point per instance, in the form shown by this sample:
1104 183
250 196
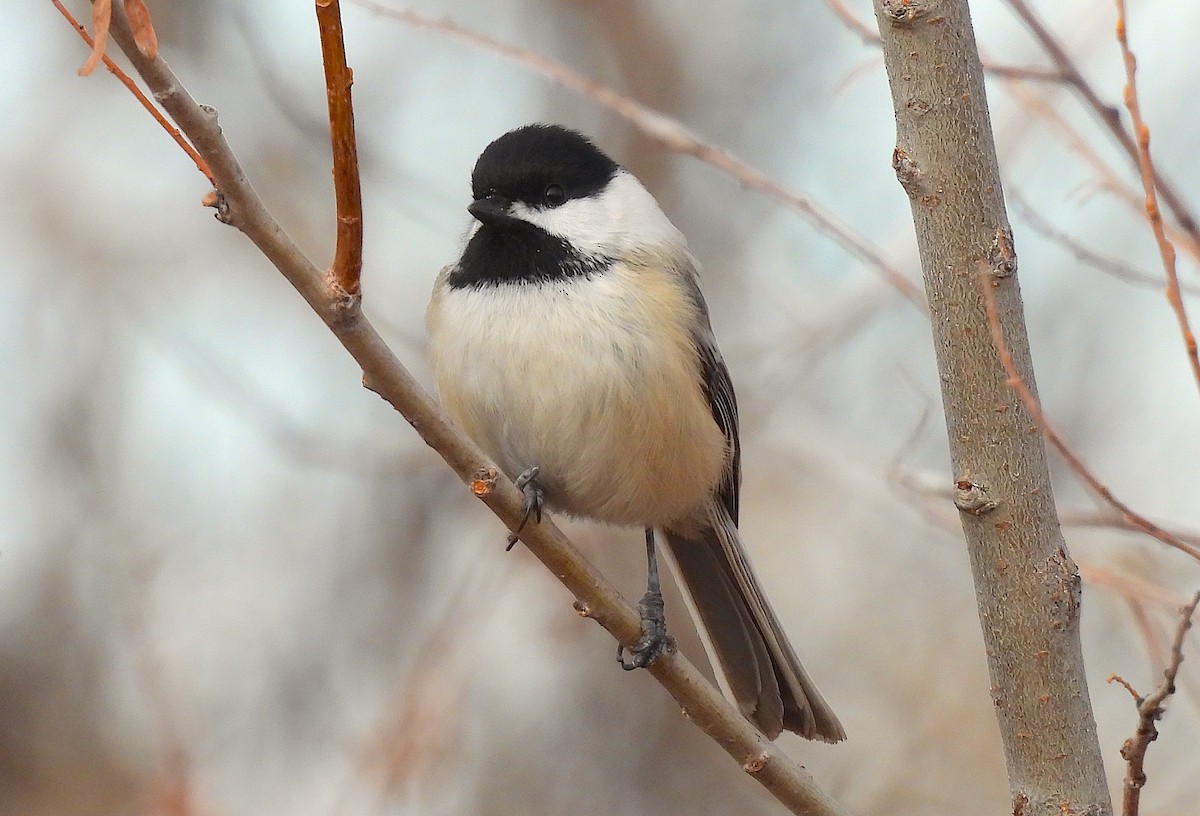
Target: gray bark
1027 586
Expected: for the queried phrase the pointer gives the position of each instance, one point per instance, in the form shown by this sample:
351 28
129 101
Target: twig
1150 183
128 82
1109 518
670 133
1150 710
240 206
1110 266
1109 115
1052 436
1125 684
1107 176
347 259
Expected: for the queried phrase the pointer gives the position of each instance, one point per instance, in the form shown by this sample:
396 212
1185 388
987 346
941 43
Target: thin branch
1085 254
1109 518
670 133
1150 710
1052 436
934 493
347 259
1012 80
132 87
596 598
1150 182
1109 115
1107 176
1131 587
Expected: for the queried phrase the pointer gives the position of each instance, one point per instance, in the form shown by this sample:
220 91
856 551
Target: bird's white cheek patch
623 217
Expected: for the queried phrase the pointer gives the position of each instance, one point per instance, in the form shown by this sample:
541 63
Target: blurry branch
1114 520
932 500
933 493
1109 115
1107 176
871 37
172 789
1019 384
1026 585
347 258
1013 80
1150 710
1085 254
239 205
418 739
97 46
1150 184
671 134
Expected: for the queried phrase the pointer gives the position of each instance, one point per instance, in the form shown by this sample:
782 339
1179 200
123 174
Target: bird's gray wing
718 388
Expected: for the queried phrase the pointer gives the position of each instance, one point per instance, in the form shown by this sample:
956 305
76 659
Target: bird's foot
655 642
535 497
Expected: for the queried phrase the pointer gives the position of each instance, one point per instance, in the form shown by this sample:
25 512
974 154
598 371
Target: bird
571 342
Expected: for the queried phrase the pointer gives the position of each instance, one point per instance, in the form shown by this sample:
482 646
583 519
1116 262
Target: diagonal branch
241 207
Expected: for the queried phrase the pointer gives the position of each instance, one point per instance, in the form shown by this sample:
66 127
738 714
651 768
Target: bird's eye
555 195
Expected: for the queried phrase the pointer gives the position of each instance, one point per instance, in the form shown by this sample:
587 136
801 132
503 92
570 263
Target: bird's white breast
594 379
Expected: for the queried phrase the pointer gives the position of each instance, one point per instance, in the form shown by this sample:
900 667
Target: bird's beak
492 210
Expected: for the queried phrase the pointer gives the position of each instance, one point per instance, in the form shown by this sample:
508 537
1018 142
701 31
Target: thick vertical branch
1026 584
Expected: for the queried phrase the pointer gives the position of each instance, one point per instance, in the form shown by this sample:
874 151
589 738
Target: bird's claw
535 497
654 642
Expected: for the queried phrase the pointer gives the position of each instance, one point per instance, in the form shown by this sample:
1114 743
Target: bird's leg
655 640
527 483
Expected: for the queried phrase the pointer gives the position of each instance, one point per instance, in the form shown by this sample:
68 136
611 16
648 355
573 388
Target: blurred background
233 581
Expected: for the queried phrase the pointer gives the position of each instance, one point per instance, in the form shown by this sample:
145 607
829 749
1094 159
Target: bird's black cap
523 163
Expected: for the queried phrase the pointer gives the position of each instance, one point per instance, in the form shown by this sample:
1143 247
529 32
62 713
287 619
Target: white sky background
215 541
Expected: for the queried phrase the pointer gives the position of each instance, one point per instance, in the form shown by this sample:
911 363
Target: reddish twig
1150 185
346 270
1150 710
128 82
1125 684
670 133
1056 441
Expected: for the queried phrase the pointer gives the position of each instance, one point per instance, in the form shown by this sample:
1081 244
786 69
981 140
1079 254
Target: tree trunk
1026 584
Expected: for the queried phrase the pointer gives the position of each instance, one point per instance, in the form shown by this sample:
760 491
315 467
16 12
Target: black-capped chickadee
572 343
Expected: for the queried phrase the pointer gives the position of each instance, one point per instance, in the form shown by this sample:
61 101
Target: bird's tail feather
754 661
